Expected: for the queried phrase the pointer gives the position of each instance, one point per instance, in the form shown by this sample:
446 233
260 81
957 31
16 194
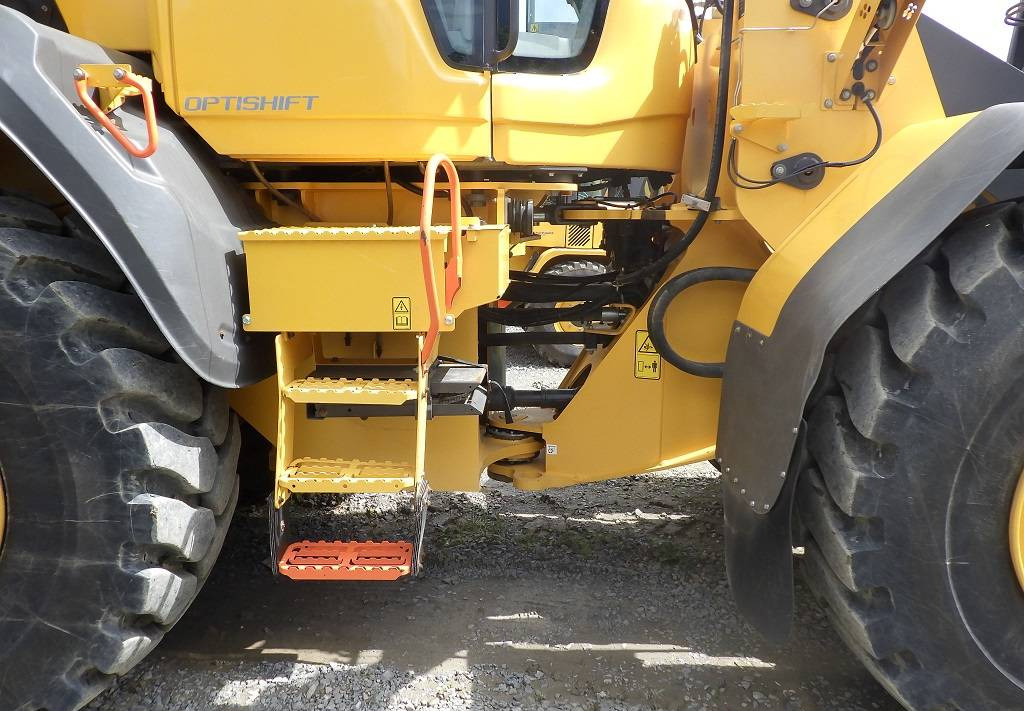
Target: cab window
555 36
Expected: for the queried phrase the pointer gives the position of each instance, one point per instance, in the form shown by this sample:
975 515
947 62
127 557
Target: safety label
647 365
401 313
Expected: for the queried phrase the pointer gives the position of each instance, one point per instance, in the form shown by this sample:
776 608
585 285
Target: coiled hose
659 307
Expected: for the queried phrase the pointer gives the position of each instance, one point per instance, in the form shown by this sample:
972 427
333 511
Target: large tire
117 462
563 355
916 437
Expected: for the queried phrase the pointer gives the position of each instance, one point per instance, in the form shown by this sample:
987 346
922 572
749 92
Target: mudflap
759 555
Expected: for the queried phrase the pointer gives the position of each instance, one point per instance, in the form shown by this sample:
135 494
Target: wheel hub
1016 531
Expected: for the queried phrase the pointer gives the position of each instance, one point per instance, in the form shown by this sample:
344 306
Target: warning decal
647 364
401 313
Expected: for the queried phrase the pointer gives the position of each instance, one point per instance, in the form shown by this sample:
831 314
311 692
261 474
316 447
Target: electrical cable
281 196
753 184
697 39
390 193
659 307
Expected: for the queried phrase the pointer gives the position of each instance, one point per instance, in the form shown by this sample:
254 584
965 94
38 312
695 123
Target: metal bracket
765 124
874 42
695 203
804 171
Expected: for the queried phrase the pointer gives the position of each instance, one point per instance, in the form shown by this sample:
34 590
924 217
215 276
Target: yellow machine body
221 70
669 418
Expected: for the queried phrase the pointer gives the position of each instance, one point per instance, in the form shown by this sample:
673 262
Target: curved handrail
453 271
82 89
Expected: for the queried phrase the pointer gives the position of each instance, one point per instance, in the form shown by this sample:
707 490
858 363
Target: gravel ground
608 597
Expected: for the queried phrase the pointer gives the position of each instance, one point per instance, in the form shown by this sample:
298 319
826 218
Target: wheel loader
304 216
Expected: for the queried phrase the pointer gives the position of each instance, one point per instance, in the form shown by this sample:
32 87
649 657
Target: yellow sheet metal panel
318 81
834 134
627 109
118 24
339 279
840 211
359 279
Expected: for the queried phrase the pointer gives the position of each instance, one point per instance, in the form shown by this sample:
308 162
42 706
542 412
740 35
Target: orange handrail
82 89
453 271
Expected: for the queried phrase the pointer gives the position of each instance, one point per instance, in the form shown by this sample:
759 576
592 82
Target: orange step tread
346 560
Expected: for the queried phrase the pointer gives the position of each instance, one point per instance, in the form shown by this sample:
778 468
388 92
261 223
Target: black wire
735 176
1015 15
708 4
628 203
697 39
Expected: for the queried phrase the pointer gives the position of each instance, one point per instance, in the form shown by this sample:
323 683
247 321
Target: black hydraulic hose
717 154
672 288
659 307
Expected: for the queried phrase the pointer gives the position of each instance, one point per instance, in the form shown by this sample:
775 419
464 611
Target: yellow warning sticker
401 313
647 365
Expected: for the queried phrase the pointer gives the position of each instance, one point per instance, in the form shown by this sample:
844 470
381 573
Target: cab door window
458 30
556 36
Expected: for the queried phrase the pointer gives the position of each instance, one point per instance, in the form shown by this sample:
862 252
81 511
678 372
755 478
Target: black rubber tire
916 437
563 355
119 467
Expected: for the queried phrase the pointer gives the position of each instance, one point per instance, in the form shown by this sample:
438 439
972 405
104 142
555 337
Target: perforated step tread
347 560
351 391
347 476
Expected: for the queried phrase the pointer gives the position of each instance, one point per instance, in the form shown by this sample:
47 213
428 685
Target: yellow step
351 391
347 476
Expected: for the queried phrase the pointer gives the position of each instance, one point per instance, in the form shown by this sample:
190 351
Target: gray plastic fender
768 379
170 221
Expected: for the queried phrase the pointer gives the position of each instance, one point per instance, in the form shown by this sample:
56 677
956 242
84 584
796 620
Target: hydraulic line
717 153
714 169
669 290
659 307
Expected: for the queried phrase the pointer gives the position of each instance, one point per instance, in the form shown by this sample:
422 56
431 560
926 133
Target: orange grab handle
82 89
453 271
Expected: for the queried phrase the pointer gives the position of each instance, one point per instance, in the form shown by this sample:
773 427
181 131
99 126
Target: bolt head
892 79
779 171
738 128
79 73
846 95
743 491
449 320
119 74
247 319
869 95
806 3
829 103
767 507
871 65
831 56
782 147
753 504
